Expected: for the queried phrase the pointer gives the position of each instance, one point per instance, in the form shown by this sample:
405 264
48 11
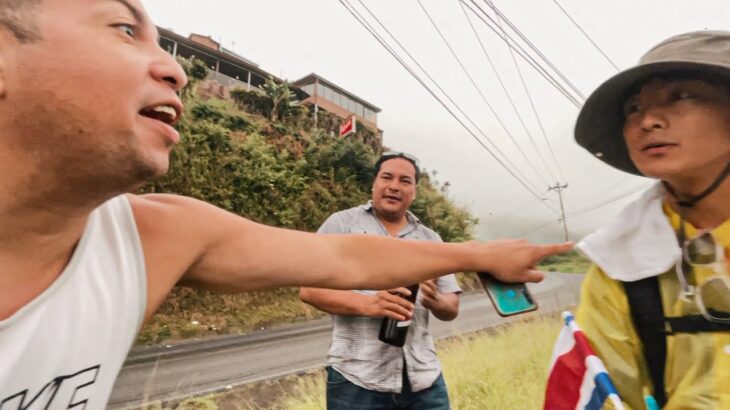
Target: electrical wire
575 23
448 97
524 38
604 203
543 226
484 98
436 84
529 98
505 90
388 48
491 24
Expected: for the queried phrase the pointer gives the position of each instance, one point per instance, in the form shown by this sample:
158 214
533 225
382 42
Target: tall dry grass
503 370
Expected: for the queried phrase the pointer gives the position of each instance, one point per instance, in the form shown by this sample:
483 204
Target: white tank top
65 348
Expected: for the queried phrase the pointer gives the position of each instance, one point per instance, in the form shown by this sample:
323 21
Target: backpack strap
694 324
647 313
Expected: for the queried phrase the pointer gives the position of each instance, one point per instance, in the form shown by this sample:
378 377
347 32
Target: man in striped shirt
363 372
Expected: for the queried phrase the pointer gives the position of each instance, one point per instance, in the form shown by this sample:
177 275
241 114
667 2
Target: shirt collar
410 217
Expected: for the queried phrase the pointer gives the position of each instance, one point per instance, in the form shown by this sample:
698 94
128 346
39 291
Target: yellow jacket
697 374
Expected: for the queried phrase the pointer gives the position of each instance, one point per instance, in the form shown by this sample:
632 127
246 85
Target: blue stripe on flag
603 388
568 317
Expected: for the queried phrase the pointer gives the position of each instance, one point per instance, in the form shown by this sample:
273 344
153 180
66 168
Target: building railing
227 81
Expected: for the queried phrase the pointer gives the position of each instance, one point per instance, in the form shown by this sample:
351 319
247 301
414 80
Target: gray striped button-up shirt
356 351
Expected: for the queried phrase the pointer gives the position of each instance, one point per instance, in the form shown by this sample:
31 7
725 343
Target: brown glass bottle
394 332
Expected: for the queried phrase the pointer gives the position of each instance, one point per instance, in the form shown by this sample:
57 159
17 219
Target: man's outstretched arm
194 242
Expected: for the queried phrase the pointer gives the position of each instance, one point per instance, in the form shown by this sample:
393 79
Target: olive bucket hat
599 128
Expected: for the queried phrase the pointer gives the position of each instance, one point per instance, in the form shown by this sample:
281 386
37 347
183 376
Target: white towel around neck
638 243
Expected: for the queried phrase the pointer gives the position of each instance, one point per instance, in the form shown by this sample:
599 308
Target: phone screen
508 298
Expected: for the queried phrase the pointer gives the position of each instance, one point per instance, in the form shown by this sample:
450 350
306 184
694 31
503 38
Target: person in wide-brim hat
599 128
656 303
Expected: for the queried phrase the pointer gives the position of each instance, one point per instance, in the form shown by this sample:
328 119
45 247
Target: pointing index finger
553 249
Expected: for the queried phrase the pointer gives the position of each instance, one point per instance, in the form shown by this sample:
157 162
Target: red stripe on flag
566 376
582 343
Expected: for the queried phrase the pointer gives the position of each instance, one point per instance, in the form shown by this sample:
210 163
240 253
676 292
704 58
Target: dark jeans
343 395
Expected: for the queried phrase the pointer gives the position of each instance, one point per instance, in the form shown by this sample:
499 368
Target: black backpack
652 327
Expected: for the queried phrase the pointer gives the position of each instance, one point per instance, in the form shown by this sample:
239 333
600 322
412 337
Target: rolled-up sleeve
332 225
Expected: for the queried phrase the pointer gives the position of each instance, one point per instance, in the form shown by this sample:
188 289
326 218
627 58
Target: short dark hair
20 17
392 155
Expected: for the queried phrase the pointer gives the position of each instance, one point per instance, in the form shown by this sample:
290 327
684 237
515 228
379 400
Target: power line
585 210
448 97
545 225
388 48
575 23
496 148
491 24
484 98
528 204
506 91
600 205
534 48
435 83
534 109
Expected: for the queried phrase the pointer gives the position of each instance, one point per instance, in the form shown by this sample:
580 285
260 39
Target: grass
195 403
501 369
506 370
189 313
571 262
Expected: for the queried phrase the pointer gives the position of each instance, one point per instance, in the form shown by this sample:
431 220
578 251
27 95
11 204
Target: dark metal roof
311 78
228 57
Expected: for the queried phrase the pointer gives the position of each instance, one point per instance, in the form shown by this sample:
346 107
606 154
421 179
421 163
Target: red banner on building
348 127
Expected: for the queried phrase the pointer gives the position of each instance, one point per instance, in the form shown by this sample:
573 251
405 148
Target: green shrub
293 178
252 101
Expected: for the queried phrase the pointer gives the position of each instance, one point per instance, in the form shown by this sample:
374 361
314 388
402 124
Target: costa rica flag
578 379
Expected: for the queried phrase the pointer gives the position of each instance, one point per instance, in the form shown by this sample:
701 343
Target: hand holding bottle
392 304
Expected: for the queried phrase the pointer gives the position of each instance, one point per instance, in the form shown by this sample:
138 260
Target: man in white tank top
87 107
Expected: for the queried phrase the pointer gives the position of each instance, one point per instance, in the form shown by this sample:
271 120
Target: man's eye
128 29
631 108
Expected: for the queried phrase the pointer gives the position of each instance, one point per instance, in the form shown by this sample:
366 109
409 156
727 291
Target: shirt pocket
358 230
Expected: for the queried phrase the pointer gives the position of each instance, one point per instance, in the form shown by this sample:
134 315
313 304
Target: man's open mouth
164 113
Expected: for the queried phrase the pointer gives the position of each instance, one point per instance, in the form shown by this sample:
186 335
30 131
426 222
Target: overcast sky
292 38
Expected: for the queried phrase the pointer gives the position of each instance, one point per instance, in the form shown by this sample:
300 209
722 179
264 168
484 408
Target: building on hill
324 94
227 69
230 70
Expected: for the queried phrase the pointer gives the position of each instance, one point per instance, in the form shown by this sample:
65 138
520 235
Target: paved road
199 368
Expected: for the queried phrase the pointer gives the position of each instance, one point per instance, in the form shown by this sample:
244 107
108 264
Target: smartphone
508 298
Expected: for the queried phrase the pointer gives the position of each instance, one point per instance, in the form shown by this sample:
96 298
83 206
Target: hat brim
599 127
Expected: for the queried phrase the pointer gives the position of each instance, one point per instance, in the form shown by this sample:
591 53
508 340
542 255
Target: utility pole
559 189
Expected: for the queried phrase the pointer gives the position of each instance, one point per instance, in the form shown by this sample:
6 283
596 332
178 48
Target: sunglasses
712 296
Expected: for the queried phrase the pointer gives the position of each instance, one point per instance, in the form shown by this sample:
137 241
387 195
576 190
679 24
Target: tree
282 97
196 70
